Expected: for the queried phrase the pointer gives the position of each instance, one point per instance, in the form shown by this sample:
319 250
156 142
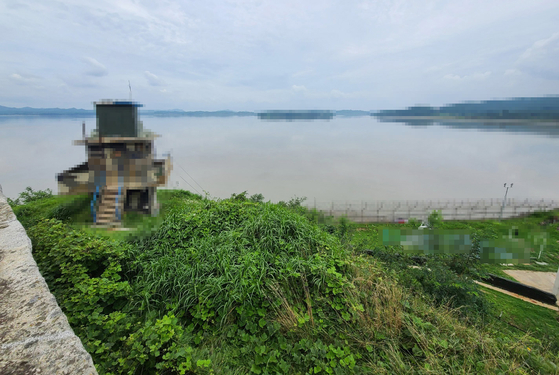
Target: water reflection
346 158
549 129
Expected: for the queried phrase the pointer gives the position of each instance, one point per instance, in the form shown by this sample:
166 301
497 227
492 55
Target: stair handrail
93 212
117 211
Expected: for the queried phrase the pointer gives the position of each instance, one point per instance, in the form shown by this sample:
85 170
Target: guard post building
121 173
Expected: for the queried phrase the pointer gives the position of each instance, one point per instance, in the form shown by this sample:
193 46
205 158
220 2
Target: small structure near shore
291 115
121 172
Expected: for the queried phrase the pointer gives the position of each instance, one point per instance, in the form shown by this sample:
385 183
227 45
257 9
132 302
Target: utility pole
505 199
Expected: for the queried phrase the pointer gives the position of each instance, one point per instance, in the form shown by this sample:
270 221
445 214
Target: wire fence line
456 209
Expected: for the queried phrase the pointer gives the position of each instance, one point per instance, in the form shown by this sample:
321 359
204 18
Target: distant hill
180 113
28 111
289 115
352 113
542 108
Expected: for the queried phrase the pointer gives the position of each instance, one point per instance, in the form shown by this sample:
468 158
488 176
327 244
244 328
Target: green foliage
435 219
437 279
29 195
66 208
84 273
445 287
242 286
344 229
257 198
72 210
414 223
294 204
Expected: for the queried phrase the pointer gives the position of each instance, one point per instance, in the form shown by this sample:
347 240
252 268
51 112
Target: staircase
110 200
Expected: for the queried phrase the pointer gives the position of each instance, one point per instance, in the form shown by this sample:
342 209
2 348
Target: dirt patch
541 280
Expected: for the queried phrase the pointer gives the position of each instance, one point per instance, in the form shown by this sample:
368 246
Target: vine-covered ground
239 286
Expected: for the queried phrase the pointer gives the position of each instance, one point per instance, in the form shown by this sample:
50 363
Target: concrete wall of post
35 337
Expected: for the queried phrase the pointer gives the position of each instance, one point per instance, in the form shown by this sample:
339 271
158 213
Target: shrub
437 280
235 286
29 195
71 209
435 219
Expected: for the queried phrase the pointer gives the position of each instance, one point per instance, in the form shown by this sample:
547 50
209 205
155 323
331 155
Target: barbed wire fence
463 209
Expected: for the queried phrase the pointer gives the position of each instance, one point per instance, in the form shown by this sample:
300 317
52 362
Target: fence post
556 285
361 211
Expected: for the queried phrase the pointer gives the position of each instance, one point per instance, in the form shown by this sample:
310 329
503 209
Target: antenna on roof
130 87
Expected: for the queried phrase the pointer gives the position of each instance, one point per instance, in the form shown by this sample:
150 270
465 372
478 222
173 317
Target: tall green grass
240 286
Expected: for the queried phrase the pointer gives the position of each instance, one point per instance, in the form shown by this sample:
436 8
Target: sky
290 54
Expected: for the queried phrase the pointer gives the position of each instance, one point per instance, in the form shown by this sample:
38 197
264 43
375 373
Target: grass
368 236
518 317
239 286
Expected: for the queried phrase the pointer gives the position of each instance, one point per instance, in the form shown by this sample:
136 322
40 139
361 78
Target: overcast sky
278 54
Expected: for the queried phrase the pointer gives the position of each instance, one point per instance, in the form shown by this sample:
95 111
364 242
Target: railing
93 201
117 211
387 211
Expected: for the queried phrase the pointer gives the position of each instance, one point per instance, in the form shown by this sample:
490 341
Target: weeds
241 286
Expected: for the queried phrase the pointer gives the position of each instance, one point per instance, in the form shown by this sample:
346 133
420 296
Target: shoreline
468 120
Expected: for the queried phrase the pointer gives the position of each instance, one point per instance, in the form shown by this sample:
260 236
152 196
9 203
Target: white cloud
291 53
539 47
95 69
512 72
339 94
471 77
453 77
302 73
541 59
24 79
153 80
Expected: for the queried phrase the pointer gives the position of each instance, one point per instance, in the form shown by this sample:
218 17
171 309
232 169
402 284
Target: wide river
345 159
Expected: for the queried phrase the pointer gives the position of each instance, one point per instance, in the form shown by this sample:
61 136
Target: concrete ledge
35 337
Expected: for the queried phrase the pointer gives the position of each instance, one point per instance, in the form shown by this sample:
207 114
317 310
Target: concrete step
108 204
107 224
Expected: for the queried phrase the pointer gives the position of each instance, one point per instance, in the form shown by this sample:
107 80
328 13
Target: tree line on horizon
545 108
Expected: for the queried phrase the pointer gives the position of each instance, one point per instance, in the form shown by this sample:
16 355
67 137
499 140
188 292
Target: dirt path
541 280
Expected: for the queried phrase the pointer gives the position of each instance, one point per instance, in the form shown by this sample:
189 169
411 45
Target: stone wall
35 337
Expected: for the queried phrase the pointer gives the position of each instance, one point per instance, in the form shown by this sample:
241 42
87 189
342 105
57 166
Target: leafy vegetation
28 196
241 286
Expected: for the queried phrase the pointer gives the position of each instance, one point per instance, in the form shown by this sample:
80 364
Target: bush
29 195
437 278
71 209
435 219
445 287
236 286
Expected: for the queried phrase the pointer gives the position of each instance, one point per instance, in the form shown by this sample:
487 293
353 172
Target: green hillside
239 286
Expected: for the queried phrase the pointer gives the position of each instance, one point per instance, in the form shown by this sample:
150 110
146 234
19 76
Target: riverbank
542 122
